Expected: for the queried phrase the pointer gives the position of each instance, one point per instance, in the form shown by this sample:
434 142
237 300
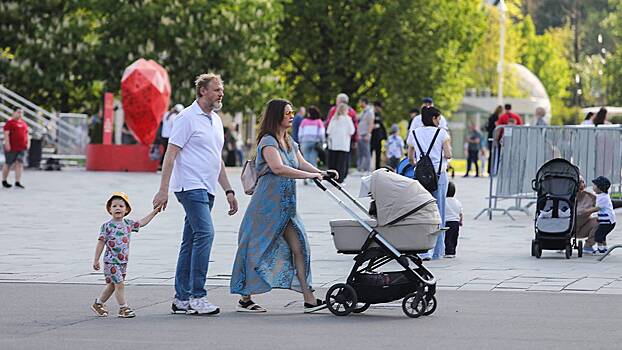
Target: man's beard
216 106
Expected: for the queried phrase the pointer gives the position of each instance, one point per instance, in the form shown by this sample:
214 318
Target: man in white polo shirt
193 158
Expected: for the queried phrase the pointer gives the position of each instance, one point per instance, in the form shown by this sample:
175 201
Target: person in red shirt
506 117
16 142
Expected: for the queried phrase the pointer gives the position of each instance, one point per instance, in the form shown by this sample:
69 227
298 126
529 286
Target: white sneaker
202 306
180 306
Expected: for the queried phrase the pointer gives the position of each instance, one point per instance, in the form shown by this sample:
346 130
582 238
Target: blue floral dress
264 260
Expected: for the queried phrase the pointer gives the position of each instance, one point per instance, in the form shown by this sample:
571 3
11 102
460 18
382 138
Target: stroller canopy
403 200
557 176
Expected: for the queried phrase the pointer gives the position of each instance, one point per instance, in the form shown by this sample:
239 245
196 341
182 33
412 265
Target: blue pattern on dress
264 260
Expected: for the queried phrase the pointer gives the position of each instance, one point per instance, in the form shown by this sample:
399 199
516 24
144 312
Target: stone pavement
56 316
48 234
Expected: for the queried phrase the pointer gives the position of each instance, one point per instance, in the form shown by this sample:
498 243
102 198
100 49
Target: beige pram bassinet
406 216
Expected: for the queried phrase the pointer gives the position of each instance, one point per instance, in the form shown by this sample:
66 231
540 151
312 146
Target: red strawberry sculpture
145 91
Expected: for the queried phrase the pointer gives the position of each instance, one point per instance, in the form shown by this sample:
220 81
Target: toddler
453 220
604 207
395 147
115 236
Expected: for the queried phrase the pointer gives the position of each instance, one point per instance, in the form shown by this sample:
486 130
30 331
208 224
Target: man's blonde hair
203 81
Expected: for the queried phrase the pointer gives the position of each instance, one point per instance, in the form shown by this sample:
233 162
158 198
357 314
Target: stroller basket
382 287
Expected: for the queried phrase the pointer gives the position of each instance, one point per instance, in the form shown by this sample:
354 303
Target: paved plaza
493 295
49 233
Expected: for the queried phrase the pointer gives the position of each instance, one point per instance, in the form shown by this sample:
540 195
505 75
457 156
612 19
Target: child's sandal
250 307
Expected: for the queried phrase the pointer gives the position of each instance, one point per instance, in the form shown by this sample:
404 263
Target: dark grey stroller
405 223
557 185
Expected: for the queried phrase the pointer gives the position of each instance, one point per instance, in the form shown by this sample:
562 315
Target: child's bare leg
119 293
106 293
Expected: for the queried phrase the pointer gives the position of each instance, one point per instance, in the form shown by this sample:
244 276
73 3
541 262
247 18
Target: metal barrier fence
519 151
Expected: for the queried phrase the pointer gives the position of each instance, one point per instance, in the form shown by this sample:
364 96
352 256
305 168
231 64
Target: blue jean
363 155
309 152
196 244
440 194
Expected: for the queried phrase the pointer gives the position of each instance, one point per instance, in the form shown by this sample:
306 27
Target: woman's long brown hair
271 120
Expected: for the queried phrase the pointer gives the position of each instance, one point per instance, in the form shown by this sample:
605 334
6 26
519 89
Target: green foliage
397 51
69 52
613 69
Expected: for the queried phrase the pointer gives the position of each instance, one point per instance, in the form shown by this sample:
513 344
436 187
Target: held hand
96 265
7 147
160 200
233 203
331 173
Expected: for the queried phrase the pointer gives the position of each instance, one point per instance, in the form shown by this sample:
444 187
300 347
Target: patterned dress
264 260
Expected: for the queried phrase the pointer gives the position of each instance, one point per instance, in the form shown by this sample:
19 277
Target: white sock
124 305
98 301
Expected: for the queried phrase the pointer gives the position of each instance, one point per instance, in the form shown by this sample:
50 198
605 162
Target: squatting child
453 220
114 235
604 207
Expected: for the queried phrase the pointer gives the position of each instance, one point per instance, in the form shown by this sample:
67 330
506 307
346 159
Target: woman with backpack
429 148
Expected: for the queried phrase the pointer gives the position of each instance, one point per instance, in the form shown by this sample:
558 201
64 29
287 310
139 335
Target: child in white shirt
453 220
604 207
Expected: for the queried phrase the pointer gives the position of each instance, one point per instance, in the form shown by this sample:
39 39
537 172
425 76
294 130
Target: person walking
601 117
589 119
416 121
395 147
439 152
273 249
490 129
16 143
298 118
312 135
192 166
509 117
473 146
378 135
364 130
343 98
339 132
166 126
540 114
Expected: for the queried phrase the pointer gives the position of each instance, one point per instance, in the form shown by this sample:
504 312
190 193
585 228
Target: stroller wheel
580 249
414 305
341 299
537 249
431 306
568 251
361 309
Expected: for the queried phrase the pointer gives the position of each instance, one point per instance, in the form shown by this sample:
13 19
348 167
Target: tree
395 50
69 52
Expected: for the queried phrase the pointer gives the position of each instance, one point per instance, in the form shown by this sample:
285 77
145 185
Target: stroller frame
364 285
553 241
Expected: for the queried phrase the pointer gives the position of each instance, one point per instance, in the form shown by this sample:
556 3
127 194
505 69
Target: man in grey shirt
365 127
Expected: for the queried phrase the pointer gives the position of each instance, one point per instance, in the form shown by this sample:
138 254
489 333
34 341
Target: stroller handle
319 184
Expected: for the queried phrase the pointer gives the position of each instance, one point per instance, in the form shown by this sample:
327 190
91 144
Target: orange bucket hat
121 195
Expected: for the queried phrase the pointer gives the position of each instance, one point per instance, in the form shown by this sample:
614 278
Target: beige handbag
250 176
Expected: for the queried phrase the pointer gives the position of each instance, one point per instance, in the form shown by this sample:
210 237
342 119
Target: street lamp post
502 11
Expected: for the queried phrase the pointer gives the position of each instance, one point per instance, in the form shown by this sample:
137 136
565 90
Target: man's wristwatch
230 191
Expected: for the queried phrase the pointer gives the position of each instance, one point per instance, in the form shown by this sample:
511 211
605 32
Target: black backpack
424 170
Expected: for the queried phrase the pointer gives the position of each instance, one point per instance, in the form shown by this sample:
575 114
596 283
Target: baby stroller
406 223
557 185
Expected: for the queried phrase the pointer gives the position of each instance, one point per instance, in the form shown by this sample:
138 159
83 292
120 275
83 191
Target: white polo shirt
201 137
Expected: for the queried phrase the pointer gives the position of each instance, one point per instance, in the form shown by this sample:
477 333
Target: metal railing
67 138
519 151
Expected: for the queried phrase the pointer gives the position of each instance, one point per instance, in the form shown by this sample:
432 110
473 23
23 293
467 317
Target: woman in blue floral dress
273 251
